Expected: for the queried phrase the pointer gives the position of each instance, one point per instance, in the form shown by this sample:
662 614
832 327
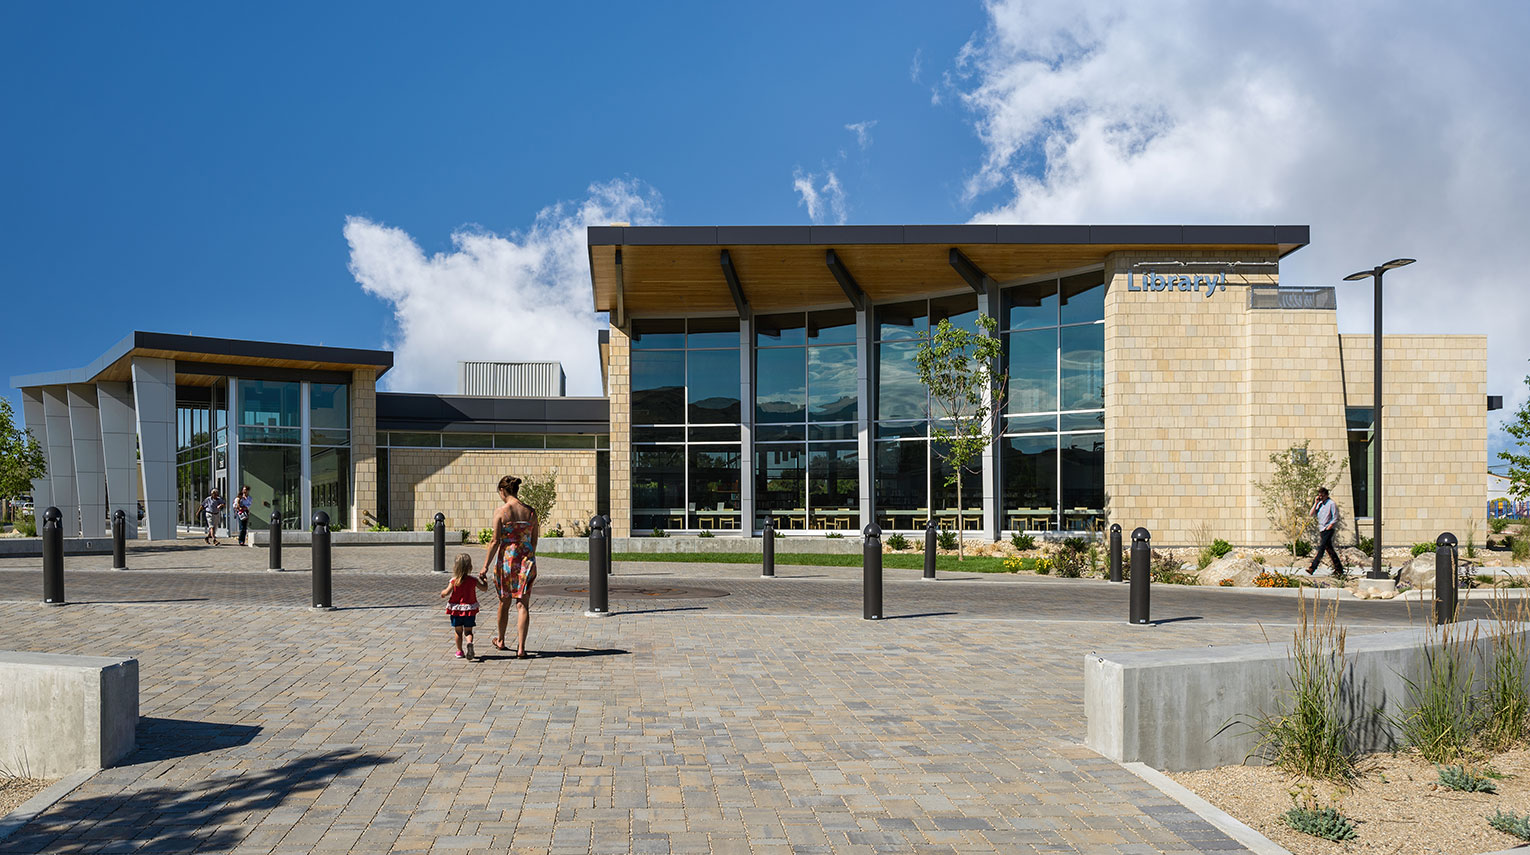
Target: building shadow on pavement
920 614
576 653
168 738
210 815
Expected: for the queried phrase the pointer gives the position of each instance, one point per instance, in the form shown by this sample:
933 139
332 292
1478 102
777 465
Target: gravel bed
15 791
1396 804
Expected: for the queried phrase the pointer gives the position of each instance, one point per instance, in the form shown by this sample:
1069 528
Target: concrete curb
33 807
1251 839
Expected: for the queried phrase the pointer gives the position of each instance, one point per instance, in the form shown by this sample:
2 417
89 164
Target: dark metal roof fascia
967 233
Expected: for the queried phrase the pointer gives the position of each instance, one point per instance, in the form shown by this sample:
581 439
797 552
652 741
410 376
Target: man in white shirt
1327 514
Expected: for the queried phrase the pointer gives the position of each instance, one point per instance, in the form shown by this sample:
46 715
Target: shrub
1420 548
1220 548
1505 702
1464 780
834 535
1022 542
540 492
465 535
1519 547
1076 544
1439 717
705 533
555 531
581 528
27 526
1014 565
1205 558
778 533
1258 559
430 526
659 532
1301 549
1366 544
945 539
1498 524
1266 579
378 527
485 535
1225 583
897 542
1166 571
1070 564
1511 823
1308 738
1325 822
1044 566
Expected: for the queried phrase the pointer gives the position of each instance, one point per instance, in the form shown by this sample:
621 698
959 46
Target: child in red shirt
462 608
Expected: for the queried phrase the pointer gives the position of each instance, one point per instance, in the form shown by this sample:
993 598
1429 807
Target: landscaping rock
1241 570
1418 572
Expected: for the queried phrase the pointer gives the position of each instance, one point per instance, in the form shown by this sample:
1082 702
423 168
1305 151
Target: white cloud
519 297
915 66
1392 129
825 201
862 131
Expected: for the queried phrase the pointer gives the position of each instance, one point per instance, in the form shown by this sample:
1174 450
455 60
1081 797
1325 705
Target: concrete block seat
61 714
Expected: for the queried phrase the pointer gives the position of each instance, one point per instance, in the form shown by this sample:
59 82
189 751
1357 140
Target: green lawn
974 564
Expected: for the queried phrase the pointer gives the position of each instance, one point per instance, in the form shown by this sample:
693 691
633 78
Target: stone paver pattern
770 720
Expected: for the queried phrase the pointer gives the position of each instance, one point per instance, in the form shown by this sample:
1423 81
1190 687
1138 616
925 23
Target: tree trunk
960 519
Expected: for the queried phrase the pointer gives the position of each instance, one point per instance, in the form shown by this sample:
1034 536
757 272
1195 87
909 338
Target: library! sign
1209 282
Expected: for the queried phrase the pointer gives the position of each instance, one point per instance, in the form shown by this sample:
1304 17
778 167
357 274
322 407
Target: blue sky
378 175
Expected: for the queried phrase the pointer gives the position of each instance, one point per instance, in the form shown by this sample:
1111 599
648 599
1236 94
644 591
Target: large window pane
778 330
903 320
780 484
713 386
780 385
900 395
1083 367
831 383
650 334
1083 480
902 485
331 484
714 483
1032 367
945 494
833 485
467 440
658 488
1082 421
1030 306
834 326
1083 298
658 387
712 332
1030 482
328 407
272 474
960 309
270 404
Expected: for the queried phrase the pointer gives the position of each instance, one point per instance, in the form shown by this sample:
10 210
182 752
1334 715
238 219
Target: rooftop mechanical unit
511 379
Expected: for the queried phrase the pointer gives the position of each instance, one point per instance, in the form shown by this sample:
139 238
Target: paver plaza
770 720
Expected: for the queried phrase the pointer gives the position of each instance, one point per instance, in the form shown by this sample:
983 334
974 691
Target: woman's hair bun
510 484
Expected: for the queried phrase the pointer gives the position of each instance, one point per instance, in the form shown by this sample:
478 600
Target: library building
768 373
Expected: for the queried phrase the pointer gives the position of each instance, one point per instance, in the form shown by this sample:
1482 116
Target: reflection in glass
960 309
417 440
658 387
1083 478
833 485
832 431
714 487
269 403
331 477
1032 305
775 330
1083 367
712 332
1031 424
650 334
780 482
712 386
272 473
900 395
780 385
467 440
902 486
834 326
831 383
722 433
658 487
945 494
327 407
1083 298
1032 367
1082 421
778 433
903 320
1030 482
570 440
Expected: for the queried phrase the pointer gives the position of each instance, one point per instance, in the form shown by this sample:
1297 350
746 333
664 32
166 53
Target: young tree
1287 494
957 366
21 458
541 494
1519 460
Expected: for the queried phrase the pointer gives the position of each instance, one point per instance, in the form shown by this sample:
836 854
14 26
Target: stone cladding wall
460 483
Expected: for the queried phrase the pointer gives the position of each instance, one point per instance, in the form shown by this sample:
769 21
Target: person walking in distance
1327 515
242 504
212 508
512 555
462 607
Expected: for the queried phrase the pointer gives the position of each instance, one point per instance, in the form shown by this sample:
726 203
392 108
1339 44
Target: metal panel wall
60 453
32 414
512 379
118 444
89 467
154 402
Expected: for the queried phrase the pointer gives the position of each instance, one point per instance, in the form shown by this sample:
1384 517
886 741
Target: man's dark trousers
1325 543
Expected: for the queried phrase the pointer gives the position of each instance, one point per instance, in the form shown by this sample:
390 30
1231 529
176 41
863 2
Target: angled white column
746 464
154 403
89 468
118 450
60 453
32 414
863 412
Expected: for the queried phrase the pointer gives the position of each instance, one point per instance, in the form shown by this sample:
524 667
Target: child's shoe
457 654
470 651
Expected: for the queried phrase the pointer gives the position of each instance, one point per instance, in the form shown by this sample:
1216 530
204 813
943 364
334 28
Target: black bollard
929 548
1142 555
871 568
438 554
119 540
53 557
1445 593
275 547
1115 552
599 603
322 598
610 547
768 570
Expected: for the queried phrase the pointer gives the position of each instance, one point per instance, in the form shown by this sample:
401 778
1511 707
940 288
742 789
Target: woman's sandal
498 644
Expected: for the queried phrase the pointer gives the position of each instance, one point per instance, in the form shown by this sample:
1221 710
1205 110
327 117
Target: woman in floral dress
512 556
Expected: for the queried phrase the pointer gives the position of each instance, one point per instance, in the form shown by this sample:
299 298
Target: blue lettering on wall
1178 282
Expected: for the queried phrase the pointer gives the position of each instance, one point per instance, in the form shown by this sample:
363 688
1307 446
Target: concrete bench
1179 710
63 714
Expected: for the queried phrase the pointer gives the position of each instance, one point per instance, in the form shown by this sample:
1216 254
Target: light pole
1375 273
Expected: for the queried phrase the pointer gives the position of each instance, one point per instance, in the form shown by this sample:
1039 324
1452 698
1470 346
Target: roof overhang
667 270
200 359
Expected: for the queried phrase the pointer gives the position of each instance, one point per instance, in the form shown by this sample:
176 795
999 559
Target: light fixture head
1397 262
1355 277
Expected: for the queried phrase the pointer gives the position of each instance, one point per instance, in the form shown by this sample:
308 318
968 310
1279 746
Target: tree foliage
21 457
541 493
1287 494
957 367
1518 458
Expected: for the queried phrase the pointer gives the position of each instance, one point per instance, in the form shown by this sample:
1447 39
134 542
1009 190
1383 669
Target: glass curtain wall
194 446
805 407
1052 452
270 450
1358 426
910 475
686 435
329 424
